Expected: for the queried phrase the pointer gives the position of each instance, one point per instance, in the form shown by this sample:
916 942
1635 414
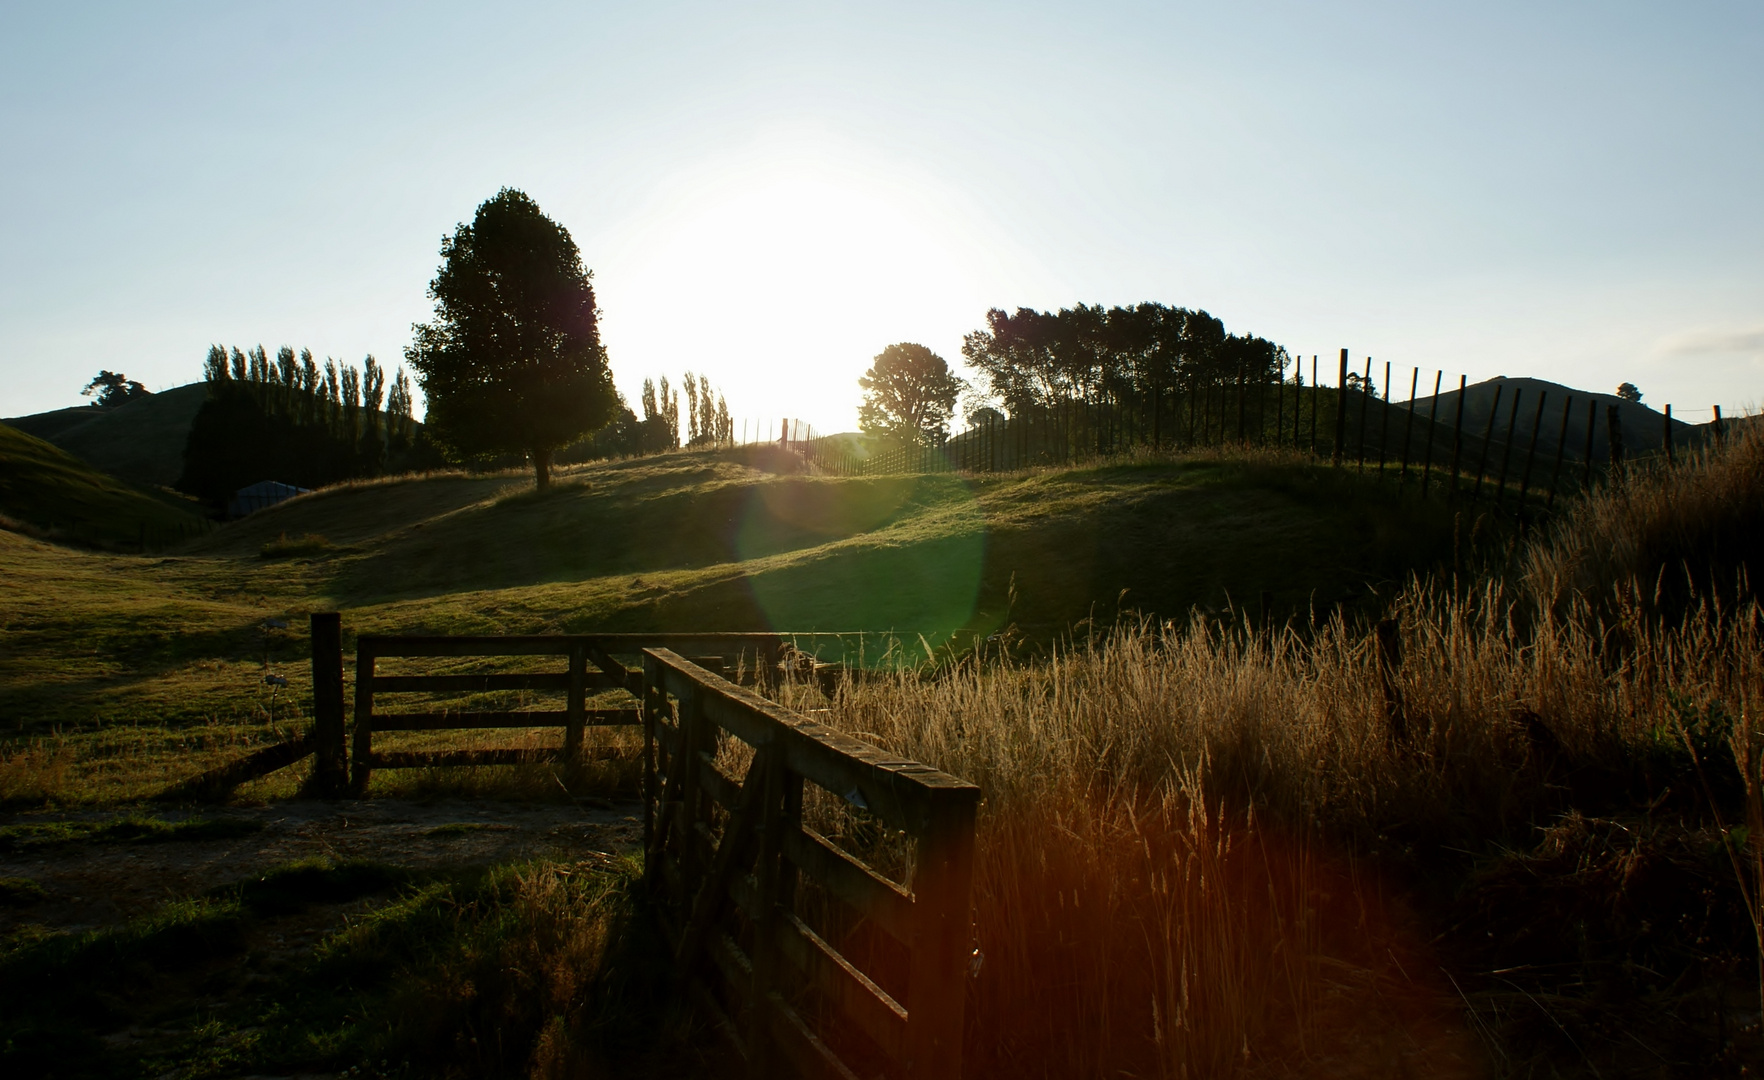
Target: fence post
1614 432
1507 447
1531 454
1340 411
576 706
1314 393
1432 429
1669 458
760 1063
1717 428
1561 445
942 937
1494 412
1409 429
363 750
1384 428
1458 433
330 758
1365 403
1592 424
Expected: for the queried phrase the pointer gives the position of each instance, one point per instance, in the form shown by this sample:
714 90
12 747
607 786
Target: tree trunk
542 468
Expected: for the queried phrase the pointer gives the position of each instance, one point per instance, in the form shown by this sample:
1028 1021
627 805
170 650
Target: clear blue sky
771 194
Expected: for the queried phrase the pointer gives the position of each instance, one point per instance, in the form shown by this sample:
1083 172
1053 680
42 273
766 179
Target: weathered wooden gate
808 958
733 861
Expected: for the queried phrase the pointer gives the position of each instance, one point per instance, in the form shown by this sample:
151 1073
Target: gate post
329 762
363 749
942 937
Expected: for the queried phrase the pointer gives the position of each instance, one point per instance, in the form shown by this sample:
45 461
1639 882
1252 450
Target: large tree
512 361
909 393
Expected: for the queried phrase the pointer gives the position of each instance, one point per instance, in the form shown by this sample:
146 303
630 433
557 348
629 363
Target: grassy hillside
137 657
142 441
703 540
62 496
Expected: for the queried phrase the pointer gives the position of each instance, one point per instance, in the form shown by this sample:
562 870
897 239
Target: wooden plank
731 853
881 900
437 759
720 1021
362 748
576 706
457 721
813 1058
461 684
942 937
896 789
730 962
864 1003
718 782
330 769
464 645
219 782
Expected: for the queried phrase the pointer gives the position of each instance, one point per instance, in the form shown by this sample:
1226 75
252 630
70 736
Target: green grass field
159 661
58 495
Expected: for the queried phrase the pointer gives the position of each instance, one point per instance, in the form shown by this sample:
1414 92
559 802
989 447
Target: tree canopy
512 360
1033 359
114 388
1629 392
909 393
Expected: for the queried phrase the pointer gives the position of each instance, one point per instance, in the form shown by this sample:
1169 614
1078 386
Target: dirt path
93 883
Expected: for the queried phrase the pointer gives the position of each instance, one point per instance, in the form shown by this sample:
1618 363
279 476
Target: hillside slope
700 540
52 490
142 441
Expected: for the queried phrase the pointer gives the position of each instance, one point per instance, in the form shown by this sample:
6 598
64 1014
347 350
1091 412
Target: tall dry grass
1190 830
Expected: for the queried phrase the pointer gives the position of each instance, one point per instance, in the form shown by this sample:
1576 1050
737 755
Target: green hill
142 441
58 494
704 540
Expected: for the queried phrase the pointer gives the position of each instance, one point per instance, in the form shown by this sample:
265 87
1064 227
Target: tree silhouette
114 388
512 360
909 393
1628 392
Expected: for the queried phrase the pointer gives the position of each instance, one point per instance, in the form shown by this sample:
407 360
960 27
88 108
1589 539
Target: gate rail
725 855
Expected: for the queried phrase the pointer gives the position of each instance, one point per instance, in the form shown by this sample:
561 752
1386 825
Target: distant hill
63 497
1643 428
141 442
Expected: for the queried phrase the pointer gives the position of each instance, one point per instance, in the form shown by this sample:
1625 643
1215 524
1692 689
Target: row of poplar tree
286 418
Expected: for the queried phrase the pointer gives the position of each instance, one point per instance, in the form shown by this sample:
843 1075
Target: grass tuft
286 547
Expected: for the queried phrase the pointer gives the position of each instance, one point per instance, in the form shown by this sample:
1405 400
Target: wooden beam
461 721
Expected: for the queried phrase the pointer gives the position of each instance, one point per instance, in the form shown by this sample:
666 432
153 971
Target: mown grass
535 969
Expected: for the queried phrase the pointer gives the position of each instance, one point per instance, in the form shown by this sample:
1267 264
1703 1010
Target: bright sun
781 279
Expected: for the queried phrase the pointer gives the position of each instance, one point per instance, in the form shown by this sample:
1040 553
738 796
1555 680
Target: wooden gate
589 665
732 861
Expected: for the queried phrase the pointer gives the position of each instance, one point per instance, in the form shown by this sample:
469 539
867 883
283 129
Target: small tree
909 393
1628 392
114 388
513 360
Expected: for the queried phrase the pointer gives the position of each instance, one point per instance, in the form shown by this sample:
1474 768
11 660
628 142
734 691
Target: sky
770 194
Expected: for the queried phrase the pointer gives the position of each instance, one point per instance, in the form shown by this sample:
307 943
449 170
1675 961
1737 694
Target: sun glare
782 280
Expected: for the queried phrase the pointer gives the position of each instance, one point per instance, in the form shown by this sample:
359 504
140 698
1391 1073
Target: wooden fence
807 959
732 859
1518 447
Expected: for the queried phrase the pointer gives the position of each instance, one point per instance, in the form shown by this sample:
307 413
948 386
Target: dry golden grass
1190 829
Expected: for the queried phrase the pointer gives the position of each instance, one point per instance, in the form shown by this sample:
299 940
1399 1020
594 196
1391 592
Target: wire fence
1516 442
